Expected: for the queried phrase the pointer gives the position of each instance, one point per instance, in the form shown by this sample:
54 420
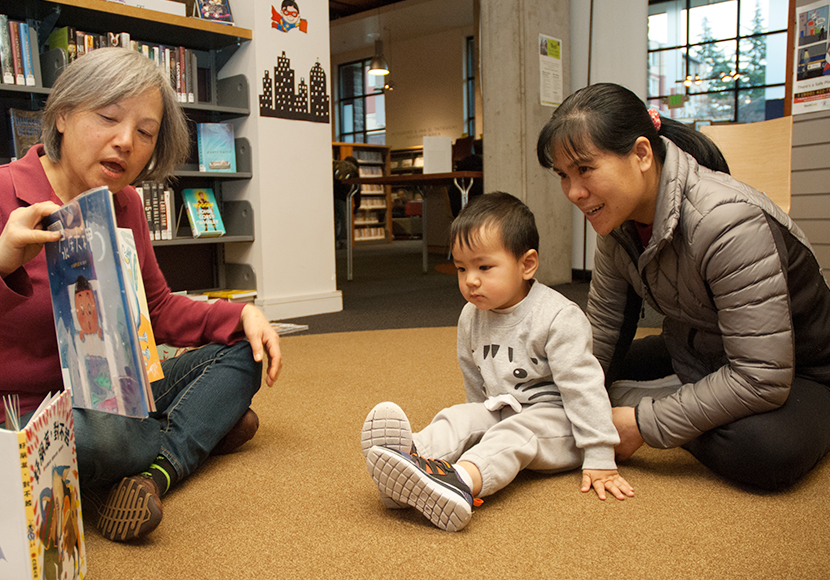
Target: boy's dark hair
611 118
501 210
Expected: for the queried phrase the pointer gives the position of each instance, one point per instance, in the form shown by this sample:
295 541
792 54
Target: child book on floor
41 528
106 343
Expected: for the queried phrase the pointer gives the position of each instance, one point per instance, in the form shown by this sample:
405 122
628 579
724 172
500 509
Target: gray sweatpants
501 443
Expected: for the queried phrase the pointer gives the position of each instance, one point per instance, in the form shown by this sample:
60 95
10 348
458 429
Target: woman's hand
606 479
630 439
23 236
262 337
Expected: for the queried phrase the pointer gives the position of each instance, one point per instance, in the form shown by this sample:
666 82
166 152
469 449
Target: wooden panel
811 157
759 154
813 132
811 181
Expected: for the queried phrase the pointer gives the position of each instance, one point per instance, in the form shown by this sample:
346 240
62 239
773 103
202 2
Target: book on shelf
25 128
41 529
6 58
283 328
103 339
215 142
17 57
215 11
203 213
158 209
26 55
66 39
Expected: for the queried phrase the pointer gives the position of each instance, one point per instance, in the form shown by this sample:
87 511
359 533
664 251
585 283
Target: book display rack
189 263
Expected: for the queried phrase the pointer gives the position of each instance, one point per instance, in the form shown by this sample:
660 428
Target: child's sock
463 475
163 473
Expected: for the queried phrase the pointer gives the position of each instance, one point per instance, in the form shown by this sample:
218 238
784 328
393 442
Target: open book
41 528
106 343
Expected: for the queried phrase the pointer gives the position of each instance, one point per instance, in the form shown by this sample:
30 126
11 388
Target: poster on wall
811 85
550 71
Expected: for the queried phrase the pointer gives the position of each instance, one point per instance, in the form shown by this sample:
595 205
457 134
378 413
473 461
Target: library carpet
296 502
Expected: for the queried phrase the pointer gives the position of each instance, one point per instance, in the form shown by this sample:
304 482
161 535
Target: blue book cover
216 147
26 54
203 213
100 352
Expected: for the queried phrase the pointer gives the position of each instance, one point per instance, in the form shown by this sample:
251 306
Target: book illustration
203 213
217 151
215 10
99 346
42 534
26 127
138 305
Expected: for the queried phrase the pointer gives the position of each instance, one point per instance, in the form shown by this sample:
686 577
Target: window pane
346 117
760 104
375 113
667 24
713 20
712 62
351 80
666 72
376 138
763 16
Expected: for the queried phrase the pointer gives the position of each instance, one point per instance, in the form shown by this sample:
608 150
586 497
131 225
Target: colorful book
26 55
6 58
41 526
203 213
215 10
65 38
26 127
17 58
98 339
232 295
216 147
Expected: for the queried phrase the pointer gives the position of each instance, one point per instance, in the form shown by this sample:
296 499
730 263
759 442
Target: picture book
232 295
25 129
203 213
41 525
100 351
215 10
217 151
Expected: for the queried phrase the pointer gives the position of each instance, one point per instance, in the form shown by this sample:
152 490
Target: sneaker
243 431
429 485
386 425
132 509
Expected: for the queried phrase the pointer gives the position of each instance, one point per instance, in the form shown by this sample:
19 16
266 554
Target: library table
424 183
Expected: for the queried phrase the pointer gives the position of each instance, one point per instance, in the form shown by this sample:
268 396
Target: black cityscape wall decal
279 99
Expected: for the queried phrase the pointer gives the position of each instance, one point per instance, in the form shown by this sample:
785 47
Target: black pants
769 450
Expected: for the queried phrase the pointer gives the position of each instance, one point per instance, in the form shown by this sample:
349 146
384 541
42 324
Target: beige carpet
297 502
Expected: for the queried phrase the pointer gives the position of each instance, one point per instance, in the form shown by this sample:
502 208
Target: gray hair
105 76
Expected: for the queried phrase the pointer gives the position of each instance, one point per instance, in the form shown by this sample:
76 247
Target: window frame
377 135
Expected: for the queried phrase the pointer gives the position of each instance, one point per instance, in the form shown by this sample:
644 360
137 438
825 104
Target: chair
759 154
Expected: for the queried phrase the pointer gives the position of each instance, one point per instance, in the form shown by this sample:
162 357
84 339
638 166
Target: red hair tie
655 118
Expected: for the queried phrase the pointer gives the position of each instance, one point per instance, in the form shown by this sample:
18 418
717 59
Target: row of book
179 63
17 64
198 203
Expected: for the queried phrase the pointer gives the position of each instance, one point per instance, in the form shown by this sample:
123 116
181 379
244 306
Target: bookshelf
408 160
188 263
373 218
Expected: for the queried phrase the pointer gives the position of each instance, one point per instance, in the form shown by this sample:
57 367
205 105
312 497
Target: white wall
291 191
619 55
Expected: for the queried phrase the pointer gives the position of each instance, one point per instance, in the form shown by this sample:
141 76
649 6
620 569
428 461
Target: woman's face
110 145
608 188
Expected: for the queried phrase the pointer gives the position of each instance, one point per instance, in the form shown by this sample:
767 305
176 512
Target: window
362 115
717 60
469 86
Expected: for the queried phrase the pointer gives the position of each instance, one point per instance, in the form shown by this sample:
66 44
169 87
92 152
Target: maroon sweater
29 359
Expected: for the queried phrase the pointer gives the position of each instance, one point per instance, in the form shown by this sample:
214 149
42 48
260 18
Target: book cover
41 526
215 10
203 213
26 55
138 306
99 347
17 58
6 63
216 147
25 128
232 295
64 38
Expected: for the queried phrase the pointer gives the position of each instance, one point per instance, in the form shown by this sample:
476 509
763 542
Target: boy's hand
606 479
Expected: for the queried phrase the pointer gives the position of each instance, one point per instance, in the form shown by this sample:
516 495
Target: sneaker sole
403 482
386 425
129 513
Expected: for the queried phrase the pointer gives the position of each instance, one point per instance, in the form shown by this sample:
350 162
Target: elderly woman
113 119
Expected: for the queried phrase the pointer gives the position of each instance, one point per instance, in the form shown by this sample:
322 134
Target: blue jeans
203 394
